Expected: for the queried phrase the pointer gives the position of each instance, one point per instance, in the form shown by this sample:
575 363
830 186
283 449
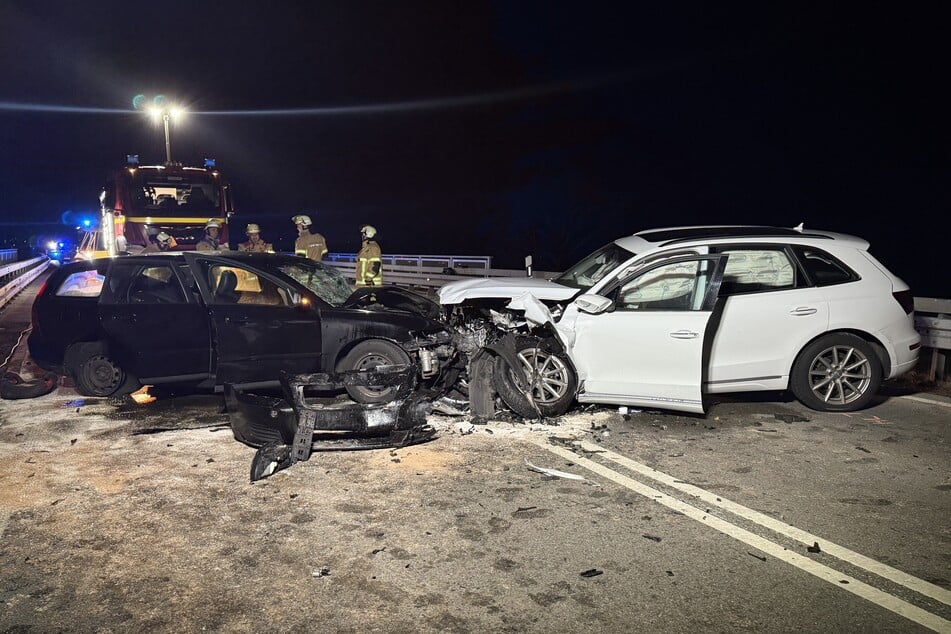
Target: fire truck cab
140 201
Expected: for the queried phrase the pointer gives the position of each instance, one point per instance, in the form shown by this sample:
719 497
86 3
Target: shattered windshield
326 282
595 267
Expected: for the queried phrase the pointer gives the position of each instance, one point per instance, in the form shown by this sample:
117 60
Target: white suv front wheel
839 372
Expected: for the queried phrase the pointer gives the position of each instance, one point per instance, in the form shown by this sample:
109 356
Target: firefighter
369 260
310 245
255 244
163 242
210 241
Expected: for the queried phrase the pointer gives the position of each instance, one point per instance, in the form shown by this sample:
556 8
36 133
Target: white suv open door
648 349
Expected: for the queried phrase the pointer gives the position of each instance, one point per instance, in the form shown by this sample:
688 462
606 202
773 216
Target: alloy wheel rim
547 374
840 375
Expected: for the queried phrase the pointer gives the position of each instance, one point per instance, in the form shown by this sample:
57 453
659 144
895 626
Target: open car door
647 349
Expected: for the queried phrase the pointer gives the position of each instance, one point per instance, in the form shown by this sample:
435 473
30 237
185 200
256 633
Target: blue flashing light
132 159
209 162
87 222
62 244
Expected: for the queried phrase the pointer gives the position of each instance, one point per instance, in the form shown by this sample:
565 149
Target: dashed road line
929 401
830 575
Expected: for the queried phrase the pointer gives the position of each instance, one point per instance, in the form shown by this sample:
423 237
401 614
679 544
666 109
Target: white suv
662 317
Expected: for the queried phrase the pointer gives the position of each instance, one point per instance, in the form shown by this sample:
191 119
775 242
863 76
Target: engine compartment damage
287 430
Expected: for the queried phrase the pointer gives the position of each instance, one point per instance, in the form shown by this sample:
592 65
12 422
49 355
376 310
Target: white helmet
369 231
163 238
252 228
213 222
301 220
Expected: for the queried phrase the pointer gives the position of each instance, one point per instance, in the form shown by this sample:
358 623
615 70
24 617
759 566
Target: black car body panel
204 320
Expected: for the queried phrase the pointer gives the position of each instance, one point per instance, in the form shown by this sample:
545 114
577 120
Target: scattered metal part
792 418
323 571
523 509
593 572
653 538
288 430
814 548
556 474
760 557
863 449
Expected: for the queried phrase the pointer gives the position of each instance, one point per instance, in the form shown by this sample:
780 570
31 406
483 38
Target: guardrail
933 323
419 262
25 272
429 279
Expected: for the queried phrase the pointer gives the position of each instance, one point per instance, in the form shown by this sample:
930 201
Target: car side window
236 285
674 286
822 268
82 284
155 285
757 270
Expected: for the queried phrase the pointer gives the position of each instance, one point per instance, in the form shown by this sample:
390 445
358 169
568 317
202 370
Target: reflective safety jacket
256 247
207 244
311 245
370 265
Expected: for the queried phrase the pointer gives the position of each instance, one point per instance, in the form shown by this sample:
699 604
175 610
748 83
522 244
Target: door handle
800 311
684 334
236 320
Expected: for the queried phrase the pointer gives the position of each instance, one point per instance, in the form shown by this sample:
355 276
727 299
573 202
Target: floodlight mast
166 113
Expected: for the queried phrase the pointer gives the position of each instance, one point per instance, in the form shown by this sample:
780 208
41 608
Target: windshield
324 281
595 267
169 194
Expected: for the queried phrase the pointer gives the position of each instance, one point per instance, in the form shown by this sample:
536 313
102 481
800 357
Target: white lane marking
866 563
830 575
929 401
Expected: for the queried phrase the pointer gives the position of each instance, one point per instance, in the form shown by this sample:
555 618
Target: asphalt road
123 517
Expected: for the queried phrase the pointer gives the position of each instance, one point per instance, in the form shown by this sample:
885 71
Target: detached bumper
288 429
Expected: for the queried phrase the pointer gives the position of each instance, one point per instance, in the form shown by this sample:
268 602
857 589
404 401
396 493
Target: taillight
34 313
906 300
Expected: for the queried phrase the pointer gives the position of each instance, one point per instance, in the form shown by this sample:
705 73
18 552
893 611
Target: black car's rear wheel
97 374
367 355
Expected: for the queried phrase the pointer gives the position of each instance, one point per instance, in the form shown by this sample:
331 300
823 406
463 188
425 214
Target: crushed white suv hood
504 288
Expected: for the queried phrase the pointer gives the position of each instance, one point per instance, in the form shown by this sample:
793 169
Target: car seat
226 292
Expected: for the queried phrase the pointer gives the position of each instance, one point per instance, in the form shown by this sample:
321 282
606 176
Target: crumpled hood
504 288
394 298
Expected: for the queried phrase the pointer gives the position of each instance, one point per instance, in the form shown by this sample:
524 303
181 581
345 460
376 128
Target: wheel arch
881 352
346 348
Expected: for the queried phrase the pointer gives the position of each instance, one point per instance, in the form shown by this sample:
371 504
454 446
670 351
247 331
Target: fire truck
140 201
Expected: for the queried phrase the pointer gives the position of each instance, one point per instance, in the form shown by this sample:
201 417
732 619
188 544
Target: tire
96 374
552 379
367 355
836 373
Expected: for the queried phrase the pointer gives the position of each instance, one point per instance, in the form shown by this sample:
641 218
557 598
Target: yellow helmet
369 231
301 220
213 222
252 228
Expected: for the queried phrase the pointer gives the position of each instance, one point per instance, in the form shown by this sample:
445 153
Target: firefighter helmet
368 231
252 228
301 220
213 223
163 239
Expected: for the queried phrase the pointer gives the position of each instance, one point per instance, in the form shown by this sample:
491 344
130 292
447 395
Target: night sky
496 128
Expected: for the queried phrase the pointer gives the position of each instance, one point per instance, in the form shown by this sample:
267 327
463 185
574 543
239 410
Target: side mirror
593 304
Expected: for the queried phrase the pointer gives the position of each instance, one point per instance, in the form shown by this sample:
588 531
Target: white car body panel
756 333
647 359
504 287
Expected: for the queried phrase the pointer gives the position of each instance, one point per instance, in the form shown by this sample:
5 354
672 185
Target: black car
201 321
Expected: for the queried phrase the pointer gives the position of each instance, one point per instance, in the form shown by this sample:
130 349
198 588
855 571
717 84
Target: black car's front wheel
368 355
97 374
839 372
